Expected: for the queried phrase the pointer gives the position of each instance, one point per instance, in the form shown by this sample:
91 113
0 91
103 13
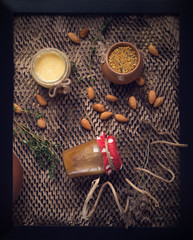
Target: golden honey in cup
83 160
50 67
96 156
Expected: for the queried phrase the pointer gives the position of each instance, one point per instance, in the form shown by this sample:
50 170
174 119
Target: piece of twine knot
102 51
61 88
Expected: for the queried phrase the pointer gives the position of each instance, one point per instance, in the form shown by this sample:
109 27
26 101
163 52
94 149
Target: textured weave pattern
60 202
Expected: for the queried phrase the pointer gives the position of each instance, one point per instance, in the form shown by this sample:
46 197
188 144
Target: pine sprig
92 50
105 25
39 115
42 150
36 115
74 72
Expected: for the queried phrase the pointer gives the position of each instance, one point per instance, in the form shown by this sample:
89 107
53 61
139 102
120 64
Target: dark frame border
7 10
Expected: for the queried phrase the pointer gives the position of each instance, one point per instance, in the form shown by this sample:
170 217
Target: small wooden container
122 78
17 177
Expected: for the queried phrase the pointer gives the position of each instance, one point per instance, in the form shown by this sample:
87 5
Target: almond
158 101
17 108
42 101
120 118
85 123
152 96
84 32
132 102
140 81
41 123
111 98
90 93
152 49
99 107
73 37
106 115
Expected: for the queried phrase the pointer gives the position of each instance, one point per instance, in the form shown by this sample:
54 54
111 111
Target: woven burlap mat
60 201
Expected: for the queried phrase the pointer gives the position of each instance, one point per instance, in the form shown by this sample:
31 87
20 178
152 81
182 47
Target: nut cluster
82 34
153 100
100 108
105 115
122 59
41 122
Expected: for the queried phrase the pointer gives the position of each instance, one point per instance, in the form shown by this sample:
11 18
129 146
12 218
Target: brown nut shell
85 123
73 37
41 123
105 115
41 100
153 50
91 93
120 118
84 32
151 96
140 81
158 102
17 108
133 102
111 98
99 107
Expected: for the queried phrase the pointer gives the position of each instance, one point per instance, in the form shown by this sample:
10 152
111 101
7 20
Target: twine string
90 195
175 143
61 88
169 143
142 191
102 51
96 182
157 176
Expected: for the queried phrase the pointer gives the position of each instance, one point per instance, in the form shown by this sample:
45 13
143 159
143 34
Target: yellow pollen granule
123 59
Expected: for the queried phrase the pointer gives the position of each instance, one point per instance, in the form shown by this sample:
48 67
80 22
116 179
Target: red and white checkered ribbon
111 158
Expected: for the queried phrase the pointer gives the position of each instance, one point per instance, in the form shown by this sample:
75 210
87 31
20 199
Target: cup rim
41 52
123 44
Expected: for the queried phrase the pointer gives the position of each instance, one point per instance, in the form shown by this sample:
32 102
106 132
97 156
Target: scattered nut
73 37
90 93
42 101
105 115
140 81
120 118
17 108
152 49
111 98
85 123
41 123
152 96
99 107
132 102
84 32
158 101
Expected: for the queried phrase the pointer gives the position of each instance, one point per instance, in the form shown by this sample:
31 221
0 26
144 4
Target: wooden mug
122 78
17 178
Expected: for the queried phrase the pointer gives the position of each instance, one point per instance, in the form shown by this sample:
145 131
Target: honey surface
49 66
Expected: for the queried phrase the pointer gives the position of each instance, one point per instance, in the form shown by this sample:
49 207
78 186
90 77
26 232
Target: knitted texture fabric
60 201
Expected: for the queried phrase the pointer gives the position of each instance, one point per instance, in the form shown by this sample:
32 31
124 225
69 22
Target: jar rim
122 44
42 52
